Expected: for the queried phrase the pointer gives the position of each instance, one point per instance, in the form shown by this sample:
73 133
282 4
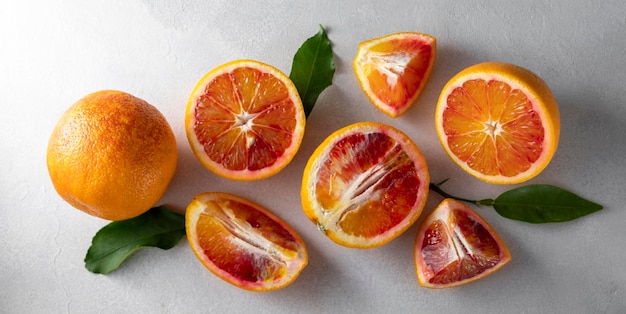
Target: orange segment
244 243
365 185
245 120
393 70
455 246
498 122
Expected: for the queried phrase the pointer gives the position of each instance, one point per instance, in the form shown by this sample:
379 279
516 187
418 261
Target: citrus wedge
455 246
499 122
365 185
243 243
393 70
245 120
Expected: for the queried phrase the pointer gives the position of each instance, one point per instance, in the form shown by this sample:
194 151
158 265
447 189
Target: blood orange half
393 70
499 122
244 243
365 185
455 246
245 120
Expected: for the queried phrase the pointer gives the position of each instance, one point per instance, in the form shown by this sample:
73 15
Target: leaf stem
436 187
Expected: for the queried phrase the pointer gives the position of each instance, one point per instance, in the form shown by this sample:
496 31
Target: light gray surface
54 52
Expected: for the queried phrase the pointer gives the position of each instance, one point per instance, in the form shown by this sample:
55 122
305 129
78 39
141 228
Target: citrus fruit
455 246
245 120
393 70
499 122
365 184
243 243
112 155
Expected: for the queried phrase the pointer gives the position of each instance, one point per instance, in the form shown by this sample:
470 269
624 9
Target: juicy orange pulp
455 246
365 185
244 243
499 122
393 70
502 122
245 120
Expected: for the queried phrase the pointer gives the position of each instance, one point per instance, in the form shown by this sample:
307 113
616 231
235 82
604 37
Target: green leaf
118 240
541 203
313 69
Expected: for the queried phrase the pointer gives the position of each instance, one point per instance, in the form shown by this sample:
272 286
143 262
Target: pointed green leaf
118 240
541 203
313 69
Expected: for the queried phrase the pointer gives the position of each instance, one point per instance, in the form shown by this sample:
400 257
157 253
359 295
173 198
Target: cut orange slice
365 185
244 243
455 246
498 122
393 70
245 120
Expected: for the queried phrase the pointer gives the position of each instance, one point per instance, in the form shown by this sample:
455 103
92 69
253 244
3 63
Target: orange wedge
499 122
243 243
245 120
393 70
365 185
455 246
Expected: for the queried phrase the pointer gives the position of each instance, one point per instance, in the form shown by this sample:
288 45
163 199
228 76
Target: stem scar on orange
392 70
499 122
455 246
245 120
244 243
365 185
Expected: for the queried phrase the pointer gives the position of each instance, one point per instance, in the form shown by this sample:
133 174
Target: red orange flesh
365 185
455 246
244 243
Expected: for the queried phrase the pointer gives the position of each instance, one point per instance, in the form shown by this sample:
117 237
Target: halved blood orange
243 243
365 185
393 70
455 246
245 120
499 122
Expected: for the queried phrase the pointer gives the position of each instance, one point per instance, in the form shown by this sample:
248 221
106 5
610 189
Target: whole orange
112 155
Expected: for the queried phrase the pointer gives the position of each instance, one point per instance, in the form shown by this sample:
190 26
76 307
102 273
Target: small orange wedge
498 122
393 70
455 246
243 243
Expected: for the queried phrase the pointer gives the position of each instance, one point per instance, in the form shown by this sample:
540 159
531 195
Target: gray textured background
54 52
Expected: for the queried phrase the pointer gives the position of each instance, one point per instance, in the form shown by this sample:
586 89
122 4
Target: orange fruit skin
393 70
455 246
112 155
245 120
244 243
356 195
541 111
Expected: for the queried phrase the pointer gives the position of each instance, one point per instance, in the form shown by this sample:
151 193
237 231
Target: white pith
392 64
